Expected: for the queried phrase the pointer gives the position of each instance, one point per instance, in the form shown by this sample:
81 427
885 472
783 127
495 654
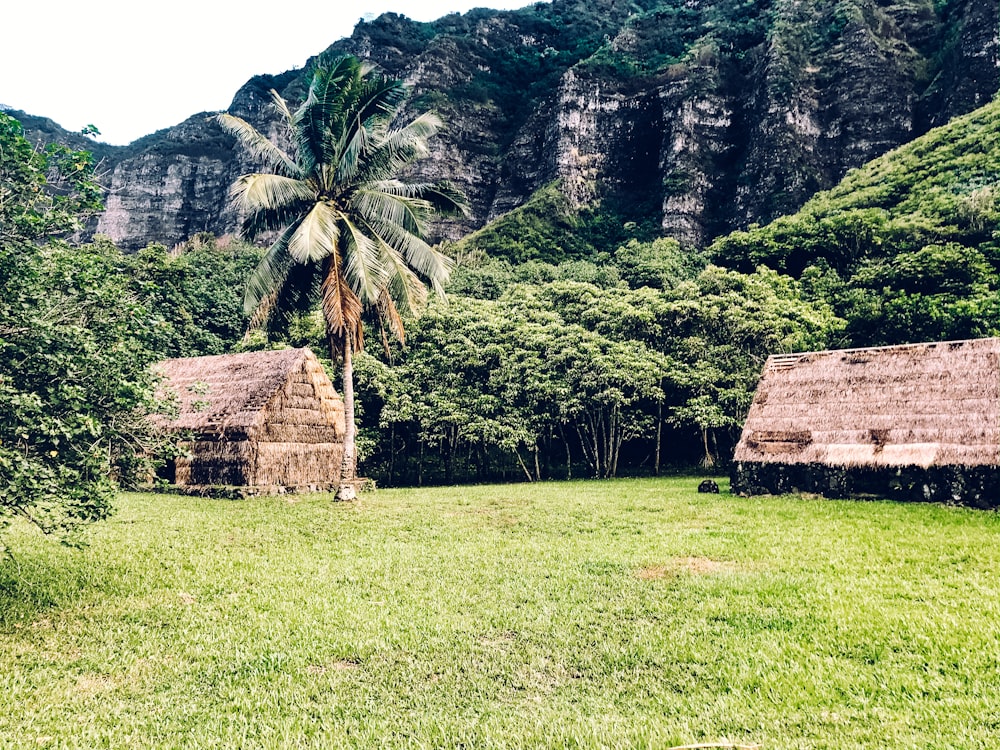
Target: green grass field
632 613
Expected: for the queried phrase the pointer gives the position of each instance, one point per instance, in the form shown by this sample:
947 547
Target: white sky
132 67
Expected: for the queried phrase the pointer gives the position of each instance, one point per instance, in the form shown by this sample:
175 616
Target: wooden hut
265 420
915 422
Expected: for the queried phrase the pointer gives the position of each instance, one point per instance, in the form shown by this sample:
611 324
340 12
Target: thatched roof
232 392
932 404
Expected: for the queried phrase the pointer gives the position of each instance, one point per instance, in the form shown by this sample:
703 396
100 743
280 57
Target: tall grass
621 614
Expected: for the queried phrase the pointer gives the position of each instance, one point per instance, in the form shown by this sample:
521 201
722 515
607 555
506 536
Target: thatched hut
916 422
262 419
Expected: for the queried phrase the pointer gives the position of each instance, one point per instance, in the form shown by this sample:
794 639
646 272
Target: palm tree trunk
349 465
659 432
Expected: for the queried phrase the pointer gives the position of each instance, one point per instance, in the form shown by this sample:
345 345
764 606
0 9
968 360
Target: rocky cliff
705 115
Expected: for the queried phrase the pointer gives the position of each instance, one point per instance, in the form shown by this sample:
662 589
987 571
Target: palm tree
349 228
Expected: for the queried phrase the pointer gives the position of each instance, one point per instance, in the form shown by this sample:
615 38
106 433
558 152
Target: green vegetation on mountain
906 248
547 228
693 117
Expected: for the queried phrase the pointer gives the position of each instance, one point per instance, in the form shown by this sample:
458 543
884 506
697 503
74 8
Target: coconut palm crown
345 220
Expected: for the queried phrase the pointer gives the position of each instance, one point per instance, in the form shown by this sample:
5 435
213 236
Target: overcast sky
132 67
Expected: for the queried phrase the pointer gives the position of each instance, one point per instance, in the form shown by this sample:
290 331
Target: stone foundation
973 486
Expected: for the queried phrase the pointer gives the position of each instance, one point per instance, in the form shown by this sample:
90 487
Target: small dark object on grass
709 485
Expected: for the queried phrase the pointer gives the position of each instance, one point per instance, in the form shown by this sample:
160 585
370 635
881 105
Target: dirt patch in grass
678 565
341 665
91 684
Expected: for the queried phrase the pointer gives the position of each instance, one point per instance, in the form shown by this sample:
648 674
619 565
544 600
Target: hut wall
291 464
918 422
917 404
266 464
973 486
210 462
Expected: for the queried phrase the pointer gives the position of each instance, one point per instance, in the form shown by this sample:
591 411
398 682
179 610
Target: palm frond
389 317
351 155
416 202
427 261
258 191
445 198
362 262
281 107
367 107
377 97
327 107
377 206
269 275
316 236
342 310
270 202
403 285
396 148
258 145
421 128
269 220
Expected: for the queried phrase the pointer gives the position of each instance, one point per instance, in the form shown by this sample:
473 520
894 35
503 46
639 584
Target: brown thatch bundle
260 418
922 405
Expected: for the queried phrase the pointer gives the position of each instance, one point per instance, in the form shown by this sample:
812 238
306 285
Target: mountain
695 116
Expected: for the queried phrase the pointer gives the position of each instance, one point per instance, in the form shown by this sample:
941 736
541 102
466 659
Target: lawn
632 613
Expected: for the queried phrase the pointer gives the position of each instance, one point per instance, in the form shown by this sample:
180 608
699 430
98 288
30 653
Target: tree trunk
708 462
449 447
392 451
617 437
524 467
349 466
659 433
420 462
569 454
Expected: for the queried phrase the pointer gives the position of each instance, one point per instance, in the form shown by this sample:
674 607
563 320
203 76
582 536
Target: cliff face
710 114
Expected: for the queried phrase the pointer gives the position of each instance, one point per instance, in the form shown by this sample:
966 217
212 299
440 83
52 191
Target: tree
195 296
349 228
723 325
74 378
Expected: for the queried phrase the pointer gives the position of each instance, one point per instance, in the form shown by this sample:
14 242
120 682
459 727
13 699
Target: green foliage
660 264
548 229
940 292
905 248
549 374
74 379
544 228
681 35
42 193
723 327
194 295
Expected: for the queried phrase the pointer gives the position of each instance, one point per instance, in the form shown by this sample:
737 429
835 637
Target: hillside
908 246
690 118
